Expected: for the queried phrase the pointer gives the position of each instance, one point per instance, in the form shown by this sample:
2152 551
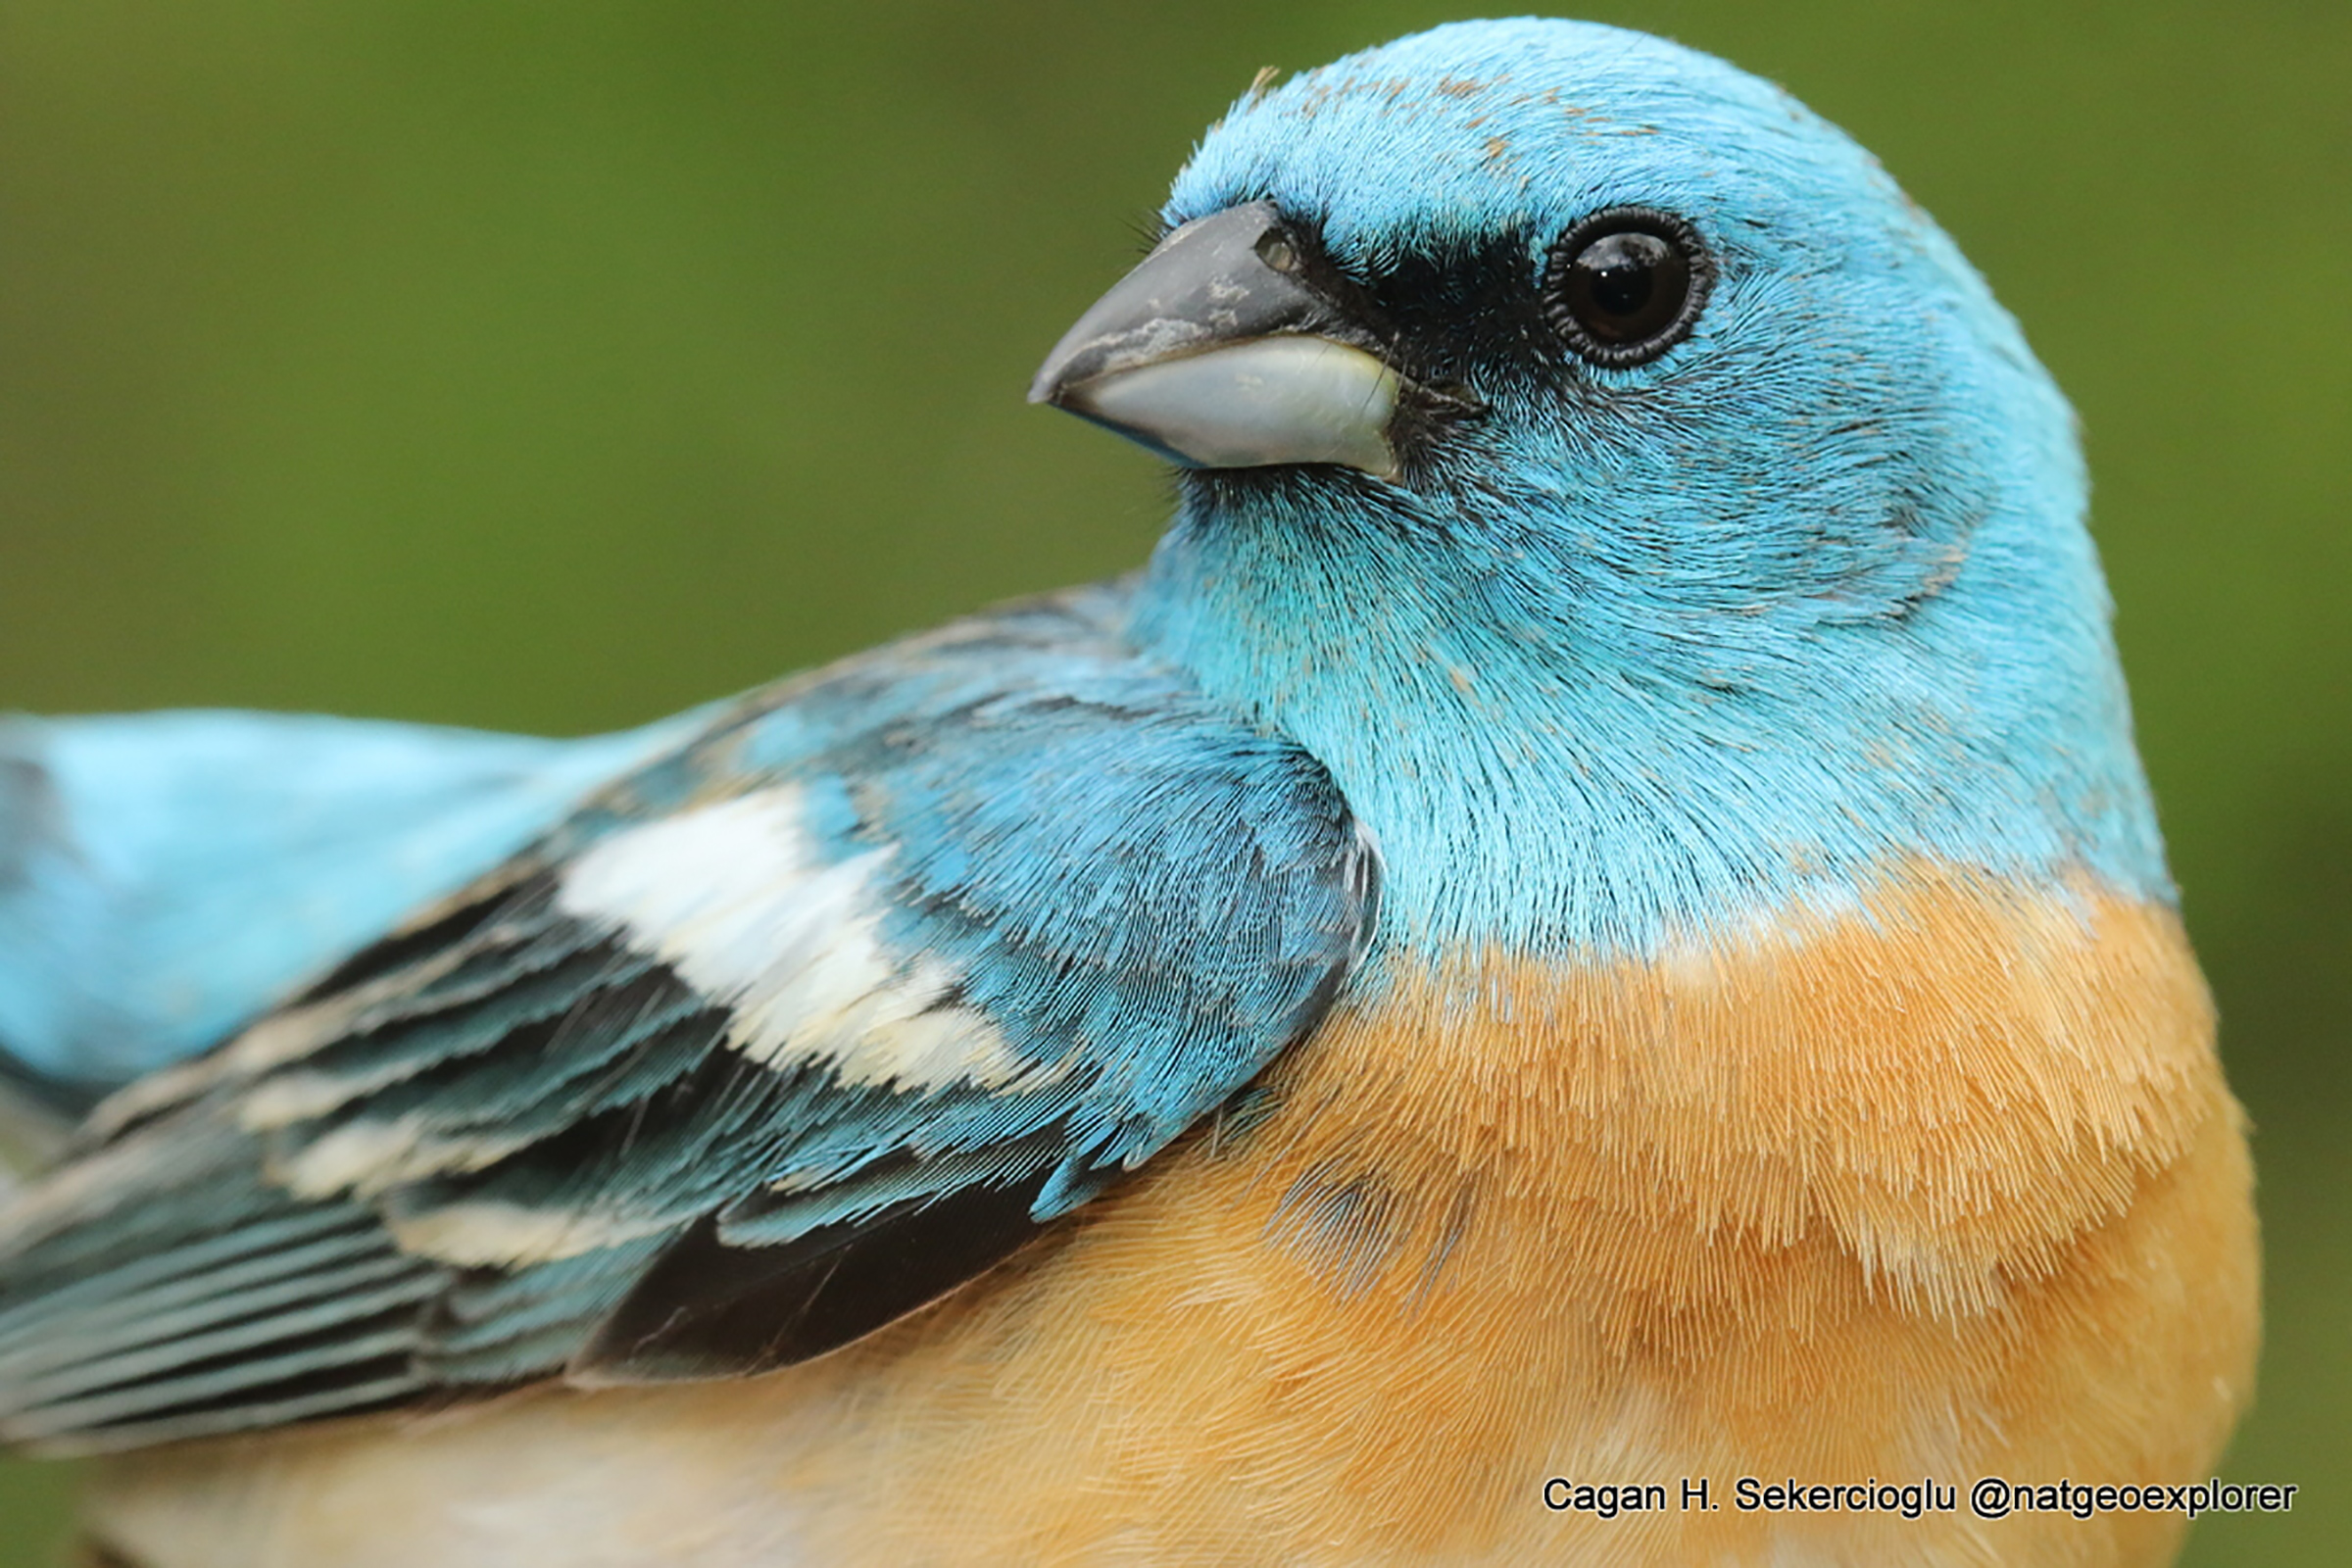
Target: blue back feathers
165 877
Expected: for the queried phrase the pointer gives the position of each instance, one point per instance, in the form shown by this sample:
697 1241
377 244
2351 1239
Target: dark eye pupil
1625 285
1621 273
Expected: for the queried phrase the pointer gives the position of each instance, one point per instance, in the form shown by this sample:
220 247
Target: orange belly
1949 1188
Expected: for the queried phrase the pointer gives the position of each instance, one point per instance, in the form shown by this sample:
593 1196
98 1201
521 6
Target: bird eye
1624 286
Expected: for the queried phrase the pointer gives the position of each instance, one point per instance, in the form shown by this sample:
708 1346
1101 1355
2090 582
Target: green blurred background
553 366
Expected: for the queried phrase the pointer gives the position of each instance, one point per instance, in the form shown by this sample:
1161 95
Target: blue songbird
1589 928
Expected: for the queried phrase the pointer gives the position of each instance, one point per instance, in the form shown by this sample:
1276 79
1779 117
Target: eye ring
1626 284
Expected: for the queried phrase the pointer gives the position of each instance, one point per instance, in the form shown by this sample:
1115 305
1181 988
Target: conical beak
1212 353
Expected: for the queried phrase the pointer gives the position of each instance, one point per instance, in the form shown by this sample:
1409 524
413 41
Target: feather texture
787 1033
166 877
1763 1037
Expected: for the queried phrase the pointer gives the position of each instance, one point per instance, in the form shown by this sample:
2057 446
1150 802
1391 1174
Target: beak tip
1055 382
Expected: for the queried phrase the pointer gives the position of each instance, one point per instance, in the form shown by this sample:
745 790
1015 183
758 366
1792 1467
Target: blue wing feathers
489 1323
188 1283
165 877
806 1019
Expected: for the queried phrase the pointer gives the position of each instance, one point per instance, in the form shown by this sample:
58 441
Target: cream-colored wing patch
739 899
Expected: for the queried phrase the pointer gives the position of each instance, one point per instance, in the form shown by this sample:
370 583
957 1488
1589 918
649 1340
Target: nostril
1275 249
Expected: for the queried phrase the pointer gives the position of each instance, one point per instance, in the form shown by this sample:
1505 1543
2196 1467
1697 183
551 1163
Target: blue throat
1585 783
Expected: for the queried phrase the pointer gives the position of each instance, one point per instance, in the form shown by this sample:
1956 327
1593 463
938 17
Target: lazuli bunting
1590 924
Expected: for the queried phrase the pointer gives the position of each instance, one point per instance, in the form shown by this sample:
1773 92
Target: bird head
1637 502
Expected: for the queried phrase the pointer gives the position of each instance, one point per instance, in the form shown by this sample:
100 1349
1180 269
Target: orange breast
1947 1188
